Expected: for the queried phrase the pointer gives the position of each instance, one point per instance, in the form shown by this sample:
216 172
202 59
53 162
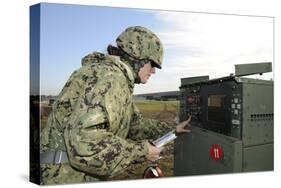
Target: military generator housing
232 123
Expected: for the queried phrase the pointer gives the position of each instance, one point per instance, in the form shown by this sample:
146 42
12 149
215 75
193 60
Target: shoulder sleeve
91 144
145 128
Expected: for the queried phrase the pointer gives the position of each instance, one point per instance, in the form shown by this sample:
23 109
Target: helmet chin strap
135 64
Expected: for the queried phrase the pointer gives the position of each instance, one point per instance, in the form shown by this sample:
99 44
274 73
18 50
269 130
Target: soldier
94 130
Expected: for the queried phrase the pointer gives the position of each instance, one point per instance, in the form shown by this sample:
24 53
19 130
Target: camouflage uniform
95 121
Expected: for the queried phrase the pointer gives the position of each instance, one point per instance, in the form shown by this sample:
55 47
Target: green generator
232 123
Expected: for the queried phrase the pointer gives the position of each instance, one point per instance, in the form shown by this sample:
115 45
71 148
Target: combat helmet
142 44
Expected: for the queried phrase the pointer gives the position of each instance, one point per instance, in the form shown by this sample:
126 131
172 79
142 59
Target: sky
195 44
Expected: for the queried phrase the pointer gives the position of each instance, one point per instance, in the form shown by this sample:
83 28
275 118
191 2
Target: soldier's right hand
153 152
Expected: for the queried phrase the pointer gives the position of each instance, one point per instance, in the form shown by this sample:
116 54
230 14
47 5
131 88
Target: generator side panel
257 114
196 153
258 158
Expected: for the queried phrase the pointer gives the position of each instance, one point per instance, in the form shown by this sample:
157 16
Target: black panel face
216 105
217 108
211 105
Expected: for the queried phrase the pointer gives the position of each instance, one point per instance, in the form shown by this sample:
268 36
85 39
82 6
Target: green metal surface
258 158
253 68
257 114
192 153
191 80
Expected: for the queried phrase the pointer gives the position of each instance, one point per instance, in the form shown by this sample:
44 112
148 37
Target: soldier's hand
153 152
183 126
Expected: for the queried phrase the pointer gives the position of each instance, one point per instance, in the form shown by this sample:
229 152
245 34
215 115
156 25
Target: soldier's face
145 72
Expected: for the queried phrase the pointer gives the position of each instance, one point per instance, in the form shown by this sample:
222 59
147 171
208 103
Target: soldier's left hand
183 126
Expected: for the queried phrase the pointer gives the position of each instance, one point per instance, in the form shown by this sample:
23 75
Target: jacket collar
126 69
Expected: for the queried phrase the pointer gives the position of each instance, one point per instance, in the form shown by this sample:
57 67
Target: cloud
209 44
214 33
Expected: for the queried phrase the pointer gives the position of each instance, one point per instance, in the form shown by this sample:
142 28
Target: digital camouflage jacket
96 122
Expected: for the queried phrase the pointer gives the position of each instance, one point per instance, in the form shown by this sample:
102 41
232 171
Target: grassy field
160 110
157 106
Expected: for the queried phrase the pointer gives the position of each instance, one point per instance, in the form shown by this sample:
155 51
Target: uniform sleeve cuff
141 151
